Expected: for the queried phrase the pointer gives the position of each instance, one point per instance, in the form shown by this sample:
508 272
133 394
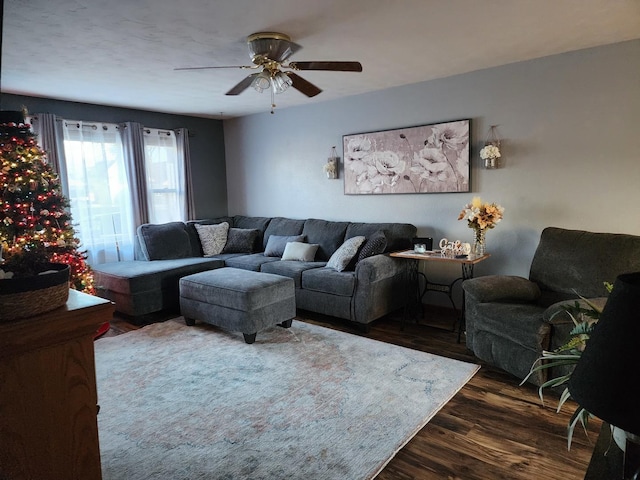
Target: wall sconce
491 153
331 167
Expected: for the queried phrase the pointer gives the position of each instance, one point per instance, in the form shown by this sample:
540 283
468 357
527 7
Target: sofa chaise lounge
370 289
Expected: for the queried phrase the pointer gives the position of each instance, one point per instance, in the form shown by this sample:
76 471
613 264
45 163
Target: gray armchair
510 320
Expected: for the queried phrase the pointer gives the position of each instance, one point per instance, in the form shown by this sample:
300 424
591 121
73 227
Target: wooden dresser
48 398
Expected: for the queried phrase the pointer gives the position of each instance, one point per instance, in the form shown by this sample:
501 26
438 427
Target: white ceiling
123 52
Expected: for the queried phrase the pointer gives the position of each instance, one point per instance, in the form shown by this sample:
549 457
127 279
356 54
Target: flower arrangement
490 152
584 319
481 216
331 168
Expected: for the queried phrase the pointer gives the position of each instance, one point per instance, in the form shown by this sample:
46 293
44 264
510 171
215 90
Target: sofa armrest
502 288
379 267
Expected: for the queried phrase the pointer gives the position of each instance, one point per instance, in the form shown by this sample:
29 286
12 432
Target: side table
467 264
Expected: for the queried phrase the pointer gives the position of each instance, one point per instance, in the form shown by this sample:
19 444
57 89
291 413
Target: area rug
306 402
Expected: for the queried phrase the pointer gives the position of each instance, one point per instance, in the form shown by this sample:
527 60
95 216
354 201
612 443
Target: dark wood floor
492 429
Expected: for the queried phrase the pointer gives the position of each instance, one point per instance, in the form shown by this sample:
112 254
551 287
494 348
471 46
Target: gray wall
571 147
206 144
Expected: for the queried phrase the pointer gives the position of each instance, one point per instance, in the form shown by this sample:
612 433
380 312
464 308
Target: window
164 172
99 192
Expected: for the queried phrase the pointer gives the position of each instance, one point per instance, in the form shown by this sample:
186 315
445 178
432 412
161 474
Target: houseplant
584 314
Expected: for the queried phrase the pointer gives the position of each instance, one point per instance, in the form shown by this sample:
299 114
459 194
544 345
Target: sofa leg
249 337
363 327
286 323
190 321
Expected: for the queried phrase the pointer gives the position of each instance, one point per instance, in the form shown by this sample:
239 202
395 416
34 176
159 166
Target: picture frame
430 158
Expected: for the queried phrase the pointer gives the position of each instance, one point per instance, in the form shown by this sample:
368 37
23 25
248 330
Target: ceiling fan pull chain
273 101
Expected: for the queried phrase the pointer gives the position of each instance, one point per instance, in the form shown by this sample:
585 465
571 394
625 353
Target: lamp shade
606 380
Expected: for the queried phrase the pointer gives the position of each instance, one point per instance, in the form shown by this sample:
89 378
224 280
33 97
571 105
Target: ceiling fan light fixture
281 82
261 82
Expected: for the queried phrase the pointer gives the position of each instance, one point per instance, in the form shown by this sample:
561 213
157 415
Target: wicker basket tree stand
30 296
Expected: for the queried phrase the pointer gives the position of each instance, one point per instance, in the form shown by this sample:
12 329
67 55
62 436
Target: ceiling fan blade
332 66
242 86
242 67
299 83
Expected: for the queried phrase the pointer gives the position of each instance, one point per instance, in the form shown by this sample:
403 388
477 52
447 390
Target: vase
479 245
490 163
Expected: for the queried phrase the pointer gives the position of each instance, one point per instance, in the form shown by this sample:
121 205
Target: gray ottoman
238 300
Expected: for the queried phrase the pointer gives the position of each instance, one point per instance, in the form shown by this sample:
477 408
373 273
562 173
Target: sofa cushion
249 262
291 269
399 235
165 241
213 238
328 235
283 227
345 253
301 252
139 276
329 281
277 243
242 240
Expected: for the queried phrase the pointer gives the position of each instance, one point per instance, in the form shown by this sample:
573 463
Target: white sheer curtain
99 192
165 176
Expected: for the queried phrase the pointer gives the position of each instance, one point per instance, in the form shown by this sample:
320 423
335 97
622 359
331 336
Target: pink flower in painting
380 169
430 164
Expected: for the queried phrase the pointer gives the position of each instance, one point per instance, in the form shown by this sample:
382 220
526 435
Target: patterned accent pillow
301 252
375 244
343 255
213 238
241 240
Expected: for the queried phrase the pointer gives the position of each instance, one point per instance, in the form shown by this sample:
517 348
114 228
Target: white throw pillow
213 238
301 252
341 257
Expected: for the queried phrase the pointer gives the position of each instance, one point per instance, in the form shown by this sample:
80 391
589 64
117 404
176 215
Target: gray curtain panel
49 135
133 145
182 141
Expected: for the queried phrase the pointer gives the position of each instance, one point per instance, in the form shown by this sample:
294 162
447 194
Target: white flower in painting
430 164
385 168
358 147
451 135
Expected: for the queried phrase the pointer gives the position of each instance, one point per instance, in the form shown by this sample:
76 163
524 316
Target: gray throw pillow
241 240
277 243
213 238
301 252
343 255
165 241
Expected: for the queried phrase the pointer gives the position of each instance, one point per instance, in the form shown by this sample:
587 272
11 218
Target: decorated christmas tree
35 222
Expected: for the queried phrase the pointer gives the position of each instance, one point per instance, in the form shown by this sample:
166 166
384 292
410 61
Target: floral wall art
426 159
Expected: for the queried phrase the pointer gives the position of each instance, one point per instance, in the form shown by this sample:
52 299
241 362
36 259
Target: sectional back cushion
399 235
282 227
166 241
328 235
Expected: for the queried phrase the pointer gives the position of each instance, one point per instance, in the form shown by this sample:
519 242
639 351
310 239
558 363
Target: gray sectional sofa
371 288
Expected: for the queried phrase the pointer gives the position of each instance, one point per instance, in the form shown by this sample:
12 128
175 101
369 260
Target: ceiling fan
269 51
